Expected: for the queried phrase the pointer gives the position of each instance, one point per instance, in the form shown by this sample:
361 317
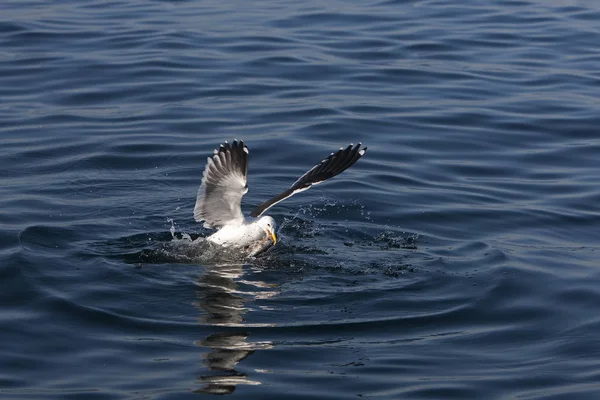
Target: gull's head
268 225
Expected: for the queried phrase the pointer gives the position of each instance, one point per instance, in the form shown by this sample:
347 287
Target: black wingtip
333 165
231 155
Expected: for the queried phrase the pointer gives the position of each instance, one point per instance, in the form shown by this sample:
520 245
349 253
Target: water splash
309 238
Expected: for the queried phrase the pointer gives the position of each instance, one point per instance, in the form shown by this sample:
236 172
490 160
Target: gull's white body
219 198
250 236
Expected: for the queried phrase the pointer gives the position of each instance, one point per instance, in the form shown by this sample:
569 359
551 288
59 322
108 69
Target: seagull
219 199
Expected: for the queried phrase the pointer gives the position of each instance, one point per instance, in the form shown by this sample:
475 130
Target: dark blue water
459 259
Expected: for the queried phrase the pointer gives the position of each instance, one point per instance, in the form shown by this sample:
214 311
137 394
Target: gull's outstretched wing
223 185
329 167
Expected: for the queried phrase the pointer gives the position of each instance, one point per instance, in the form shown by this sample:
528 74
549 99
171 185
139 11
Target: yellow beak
272 235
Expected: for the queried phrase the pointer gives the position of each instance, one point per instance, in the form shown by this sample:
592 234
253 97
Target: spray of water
312 236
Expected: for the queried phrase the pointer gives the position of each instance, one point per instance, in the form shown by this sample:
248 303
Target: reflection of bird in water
224 183
218 298
223 304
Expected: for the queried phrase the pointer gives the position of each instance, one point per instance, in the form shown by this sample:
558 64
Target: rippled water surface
458 259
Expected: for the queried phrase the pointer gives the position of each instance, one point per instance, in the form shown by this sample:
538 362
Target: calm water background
458 259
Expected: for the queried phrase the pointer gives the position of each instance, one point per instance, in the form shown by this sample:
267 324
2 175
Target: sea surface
458 259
